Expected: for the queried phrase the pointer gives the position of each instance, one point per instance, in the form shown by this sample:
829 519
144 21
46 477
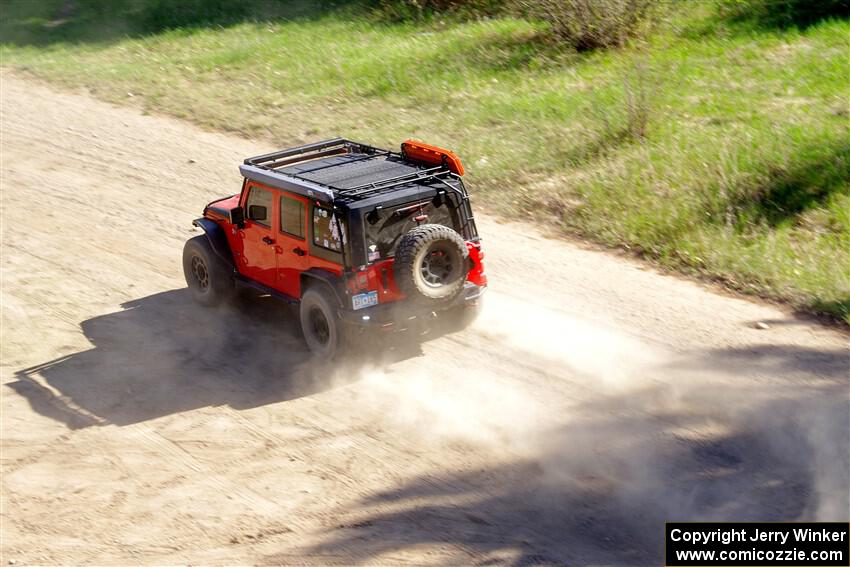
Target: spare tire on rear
431 263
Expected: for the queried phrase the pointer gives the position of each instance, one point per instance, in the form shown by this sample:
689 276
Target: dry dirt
593 400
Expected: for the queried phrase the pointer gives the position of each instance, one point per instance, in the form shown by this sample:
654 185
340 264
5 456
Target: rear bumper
399 314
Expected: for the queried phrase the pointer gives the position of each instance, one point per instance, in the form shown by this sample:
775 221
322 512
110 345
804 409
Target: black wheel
431 263
324 332
208 279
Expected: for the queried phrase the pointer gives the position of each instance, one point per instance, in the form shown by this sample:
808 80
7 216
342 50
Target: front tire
208 279
323 331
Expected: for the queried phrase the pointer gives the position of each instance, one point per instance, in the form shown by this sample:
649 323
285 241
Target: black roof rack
338 168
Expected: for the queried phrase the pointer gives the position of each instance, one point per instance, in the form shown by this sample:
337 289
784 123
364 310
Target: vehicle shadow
597 490
164 354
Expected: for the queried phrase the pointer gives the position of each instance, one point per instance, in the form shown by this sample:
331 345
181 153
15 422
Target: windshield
385 227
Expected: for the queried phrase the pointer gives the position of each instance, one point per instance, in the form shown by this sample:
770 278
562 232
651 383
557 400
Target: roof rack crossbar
346 162
393 181
381 187
296 151
296 159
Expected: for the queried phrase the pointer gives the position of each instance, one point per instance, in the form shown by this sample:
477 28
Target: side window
326 229
292 216
259 199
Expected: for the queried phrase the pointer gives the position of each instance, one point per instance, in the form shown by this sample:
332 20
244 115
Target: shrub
590 24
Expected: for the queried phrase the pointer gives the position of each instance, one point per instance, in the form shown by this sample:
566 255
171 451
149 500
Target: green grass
742 172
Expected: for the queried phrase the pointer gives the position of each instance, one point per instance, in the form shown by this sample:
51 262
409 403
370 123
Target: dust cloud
655 429
469 397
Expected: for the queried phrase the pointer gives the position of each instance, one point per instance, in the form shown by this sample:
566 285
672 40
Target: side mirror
257 212
237 216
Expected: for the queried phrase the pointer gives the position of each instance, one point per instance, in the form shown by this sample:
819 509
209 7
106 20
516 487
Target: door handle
299 252
268 240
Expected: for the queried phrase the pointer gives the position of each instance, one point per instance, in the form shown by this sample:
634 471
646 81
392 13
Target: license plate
362 300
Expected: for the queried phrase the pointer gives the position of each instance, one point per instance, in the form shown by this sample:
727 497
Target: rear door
292 246
259 258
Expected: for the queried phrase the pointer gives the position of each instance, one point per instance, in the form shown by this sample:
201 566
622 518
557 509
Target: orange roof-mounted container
425 153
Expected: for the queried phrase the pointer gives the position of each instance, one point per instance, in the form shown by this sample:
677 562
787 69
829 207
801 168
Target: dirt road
593 400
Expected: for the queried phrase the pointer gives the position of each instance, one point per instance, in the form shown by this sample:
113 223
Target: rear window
384 228
326 229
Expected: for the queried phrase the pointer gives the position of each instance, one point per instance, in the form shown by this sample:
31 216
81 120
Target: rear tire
323 331
209 280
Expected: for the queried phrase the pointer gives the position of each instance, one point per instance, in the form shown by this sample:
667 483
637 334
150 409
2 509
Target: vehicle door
291 243
259 258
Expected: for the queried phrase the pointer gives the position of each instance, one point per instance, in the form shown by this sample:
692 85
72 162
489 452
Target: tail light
476 255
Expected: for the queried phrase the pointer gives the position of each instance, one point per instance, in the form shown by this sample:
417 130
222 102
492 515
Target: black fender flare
218 241
330 279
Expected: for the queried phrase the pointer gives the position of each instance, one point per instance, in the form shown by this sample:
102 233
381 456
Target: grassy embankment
713 146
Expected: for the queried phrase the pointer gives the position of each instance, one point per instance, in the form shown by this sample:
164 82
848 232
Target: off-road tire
431 264
208 278
326 335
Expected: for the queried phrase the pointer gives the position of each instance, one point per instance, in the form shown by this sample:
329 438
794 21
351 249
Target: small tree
590 24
